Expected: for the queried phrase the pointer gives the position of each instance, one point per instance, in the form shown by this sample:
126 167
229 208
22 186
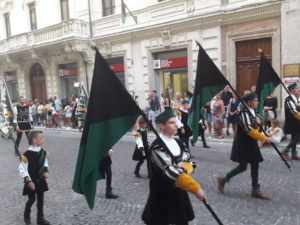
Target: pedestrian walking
34 170
105 171
141 152
23 122
245 147
292 121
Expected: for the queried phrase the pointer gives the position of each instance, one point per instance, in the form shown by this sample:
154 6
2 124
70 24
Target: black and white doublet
292 124
141 141
167 204
245 148
34 164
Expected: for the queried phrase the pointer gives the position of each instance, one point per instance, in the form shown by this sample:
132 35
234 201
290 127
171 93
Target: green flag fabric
209 81
266 82
111 113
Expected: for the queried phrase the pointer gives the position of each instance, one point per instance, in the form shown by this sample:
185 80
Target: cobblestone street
65 207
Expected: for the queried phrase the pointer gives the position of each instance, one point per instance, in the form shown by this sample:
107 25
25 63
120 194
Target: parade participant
21 111
245 147
105 171
141 151
168 201
34 170
185 132
292 121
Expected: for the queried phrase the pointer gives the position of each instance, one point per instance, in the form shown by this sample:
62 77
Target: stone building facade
156 51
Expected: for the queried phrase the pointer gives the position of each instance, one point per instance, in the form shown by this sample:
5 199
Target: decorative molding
166 38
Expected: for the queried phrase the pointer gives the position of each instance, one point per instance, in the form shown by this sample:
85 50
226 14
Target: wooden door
248 60
37 82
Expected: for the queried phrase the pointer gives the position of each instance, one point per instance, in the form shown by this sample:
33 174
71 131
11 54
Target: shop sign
11 77
170 63
291 70
117 67
67 72
290 80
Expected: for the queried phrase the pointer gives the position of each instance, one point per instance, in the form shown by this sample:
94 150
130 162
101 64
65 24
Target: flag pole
157 135
17 151
252 117
212 212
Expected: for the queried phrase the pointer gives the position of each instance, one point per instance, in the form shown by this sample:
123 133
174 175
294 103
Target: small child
105 171
275 132
34 170
141 151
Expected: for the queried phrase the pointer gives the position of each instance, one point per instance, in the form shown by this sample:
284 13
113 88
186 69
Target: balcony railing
68 29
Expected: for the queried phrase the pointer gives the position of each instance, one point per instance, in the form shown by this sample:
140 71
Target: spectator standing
34 112
226 96
233 110
218 112
41 113
167 100
74 104
177 101
154 103
208 117
58 108
270 106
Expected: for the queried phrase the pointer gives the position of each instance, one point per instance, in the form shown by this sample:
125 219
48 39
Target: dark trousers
108 177
295 138
201 131
40 204
185 140
19 137
139 164
243 167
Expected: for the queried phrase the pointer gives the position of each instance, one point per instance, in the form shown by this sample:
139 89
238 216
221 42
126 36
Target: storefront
171 71
117 65
11 80
68 74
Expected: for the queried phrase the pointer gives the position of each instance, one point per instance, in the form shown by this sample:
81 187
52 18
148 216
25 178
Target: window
7 25
108 7
32 15
64 7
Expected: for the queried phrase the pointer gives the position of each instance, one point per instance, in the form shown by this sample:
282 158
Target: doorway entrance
173 81
37 82
248 60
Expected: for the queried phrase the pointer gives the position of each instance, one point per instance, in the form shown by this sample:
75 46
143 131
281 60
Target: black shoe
27 220
206 146
137 174
42 221
227 132
111 195
192 143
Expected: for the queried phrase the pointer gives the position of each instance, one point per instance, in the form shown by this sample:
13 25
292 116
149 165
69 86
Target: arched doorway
37 82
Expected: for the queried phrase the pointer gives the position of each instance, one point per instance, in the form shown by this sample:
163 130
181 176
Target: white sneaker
209 137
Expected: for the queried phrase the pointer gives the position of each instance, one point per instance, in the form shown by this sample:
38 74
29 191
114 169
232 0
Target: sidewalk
227 138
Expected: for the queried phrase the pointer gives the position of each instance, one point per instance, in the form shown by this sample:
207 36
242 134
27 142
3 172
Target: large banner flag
209 81
6 113
266 83
111 113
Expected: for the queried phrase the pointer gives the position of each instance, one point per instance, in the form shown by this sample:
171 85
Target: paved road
236 207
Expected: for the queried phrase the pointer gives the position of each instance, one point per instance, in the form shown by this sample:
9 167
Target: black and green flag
209 81
266 82
111 113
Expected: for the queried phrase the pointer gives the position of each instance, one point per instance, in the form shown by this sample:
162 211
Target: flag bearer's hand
268 140
201 195
46 175
31 186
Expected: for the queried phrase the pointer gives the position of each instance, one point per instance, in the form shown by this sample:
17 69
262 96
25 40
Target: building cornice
219 18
